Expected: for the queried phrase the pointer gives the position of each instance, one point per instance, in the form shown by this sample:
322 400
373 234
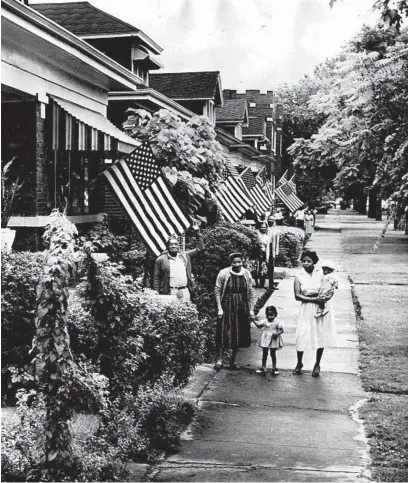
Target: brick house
54 104
264 130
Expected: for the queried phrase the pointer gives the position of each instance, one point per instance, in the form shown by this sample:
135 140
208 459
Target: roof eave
156 49
151 95
57 31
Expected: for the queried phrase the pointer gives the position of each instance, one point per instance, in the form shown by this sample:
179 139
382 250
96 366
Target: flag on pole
292 183
286 193
266 185
283 178
232 198
139 186
254 190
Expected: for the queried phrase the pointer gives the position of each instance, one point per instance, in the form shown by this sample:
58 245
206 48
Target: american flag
283 178
232 198
286 193
254 190
139 186
292 183
266 185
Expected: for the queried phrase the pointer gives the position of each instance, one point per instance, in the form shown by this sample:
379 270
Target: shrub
291 244
135 338
20 272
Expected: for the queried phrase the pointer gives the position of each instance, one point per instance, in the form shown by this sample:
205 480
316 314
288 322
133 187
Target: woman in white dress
312 333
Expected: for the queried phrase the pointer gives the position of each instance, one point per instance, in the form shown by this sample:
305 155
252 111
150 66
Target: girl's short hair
311 254
271 310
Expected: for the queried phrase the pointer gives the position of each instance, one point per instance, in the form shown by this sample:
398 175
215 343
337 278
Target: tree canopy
351 126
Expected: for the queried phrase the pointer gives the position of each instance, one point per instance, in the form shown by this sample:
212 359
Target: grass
383 334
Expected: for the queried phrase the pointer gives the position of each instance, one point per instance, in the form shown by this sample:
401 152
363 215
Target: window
140 71
252 104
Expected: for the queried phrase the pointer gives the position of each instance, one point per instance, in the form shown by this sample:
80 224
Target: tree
393 12
364 137
188 152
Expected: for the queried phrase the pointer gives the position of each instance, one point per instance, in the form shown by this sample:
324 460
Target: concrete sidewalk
283 428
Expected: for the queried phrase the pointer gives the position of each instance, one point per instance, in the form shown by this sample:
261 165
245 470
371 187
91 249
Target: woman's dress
309 224
234 330
311 332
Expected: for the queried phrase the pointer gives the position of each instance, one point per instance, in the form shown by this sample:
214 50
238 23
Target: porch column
41 191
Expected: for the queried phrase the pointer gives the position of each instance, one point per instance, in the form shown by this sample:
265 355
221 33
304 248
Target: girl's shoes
316 371
298 369
261 371
275 372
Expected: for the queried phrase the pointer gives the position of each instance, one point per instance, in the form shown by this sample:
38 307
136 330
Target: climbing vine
53 360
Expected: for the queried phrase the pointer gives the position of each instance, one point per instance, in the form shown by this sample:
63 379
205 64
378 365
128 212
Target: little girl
271 339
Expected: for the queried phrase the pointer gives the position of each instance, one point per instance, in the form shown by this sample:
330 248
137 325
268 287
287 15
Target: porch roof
97 121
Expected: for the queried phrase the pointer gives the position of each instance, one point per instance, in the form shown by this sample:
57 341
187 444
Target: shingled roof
188 85
233 110
257 127
84 20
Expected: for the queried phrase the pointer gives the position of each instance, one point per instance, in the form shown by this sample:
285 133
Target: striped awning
75 128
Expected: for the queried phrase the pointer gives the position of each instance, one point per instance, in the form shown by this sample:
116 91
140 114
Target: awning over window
76 128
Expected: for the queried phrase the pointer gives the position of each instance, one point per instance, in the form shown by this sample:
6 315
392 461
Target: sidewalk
284 428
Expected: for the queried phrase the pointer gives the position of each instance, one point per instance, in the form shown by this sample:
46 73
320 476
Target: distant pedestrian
327 286
312 333
261 269
271 339
309 223
300 218
234 296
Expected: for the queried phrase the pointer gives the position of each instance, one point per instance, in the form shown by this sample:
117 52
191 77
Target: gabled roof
233 110
87 21
257 127
188 86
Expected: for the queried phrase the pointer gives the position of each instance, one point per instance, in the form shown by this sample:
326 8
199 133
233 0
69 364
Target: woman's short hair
311 254
271 310
235 255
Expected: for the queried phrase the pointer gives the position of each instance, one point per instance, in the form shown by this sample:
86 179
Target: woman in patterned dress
235 304
311 332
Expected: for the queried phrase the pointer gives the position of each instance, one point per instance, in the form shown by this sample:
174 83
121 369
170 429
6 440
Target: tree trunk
360 204
372 204
378 210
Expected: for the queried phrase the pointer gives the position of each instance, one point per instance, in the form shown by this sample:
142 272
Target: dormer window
140 65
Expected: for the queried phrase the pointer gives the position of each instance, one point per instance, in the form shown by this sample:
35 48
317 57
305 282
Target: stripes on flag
283 178
140 188
266 185
232 199
254 190
292 183
286 193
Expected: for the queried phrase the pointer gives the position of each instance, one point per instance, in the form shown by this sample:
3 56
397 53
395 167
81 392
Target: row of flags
147 199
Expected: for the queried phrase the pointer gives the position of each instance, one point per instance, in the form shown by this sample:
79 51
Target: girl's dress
314 333
235 329
267 340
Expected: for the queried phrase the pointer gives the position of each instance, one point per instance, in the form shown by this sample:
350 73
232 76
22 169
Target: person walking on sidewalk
309 222
234 296
312 333
271 339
